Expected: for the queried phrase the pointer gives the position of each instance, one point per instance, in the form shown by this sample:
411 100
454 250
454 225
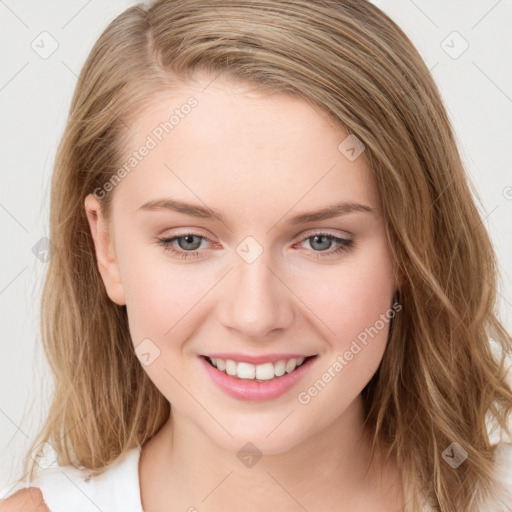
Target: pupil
320 237
187 239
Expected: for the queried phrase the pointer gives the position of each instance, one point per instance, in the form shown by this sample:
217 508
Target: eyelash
345 245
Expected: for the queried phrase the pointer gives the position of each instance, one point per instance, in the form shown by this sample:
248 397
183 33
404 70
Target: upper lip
267 358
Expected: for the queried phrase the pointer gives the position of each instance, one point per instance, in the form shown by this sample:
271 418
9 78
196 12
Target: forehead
229 142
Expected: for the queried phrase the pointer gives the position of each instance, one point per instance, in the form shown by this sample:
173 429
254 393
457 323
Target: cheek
157 295
160 300
350 297
357 308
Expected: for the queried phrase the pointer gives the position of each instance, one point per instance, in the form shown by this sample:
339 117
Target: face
209 247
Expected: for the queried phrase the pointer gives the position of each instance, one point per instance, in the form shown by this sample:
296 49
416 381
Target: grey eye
321 246
189 244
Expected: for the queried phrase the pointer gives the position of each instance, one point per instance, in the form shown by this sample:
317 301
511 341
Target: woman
325 340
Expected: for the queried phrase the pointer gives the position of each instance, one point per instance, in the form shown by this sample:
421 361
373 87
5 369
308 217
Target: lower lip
255 390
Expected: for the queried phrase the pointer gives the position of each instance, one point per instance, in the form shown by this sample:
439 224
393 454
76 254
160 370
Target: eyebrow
195 210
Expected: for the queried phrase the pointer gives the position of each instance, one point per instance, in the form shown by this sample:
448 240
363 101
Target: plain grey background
465 43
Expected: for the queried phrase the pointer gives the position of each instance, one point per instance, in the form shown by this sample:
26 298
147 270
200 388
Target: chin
265 440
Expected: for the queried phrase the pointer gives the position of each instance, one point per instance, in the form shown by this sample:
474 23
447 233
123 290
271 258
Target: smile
260 372
256 382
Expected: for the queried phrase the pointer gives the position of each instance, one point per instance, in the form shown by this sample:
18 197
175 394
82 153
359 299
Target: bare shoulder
25 500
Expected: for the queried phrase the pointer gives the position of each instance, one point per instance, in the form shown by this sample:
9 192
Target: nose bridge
256 302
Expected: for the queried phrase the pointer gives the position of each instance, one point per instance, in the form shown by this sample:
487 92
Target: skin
259 159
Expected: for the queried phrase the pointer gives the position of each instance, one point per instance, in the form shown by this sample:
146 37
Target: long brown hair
439 378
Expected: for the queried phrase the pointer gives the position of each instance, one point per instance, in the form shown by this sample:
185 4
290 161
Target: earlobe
104 250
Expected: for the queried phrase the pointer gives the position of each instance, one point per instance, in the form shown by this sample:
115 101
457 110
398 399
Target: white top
67 488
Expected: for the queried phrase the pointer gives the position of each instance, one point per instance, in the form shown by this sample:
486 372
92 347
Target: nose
256 300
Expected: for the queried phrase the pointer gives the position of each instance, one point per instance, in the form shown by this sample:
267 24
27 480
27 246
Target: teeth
279 368
265 371
246 371
230 367
290 365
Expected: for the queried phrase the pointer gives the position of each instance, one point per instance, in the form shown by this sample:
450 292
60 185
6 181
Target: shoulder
59 488
49 488
25 500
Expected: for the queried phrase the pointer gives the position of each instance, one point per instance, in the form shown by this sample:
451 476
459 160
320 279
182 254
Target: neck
329 468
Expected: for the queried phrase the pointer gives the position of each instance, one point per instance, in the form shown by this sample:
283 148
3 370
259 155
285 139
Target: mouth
266 372
257 383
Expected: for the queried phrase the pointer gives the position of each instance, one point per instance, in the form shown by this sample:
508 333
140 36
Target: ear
104 249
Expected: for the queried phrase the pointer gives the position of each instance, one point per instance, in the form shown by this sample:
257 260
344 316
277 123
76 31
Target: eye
188 247
321 242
